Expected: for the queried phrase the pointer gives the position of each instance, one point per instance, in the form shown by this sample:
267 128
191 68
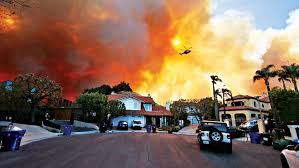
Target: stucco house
142 108
244 107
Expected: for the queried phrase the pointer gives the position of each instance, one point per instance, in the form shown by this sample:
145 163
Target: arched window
238 103
254 103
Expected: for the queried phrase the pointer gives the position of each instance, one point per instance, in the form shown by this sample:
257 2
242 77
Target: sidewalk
35 133
190 130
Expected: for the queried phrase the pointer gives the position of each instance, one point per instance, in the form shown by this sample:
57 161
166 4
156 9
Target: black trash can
67 129
148 128
266 139
154 128
11 140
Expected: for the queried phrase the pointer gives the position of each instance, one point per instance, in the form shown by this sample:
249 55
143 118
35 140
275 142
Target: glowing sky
86 43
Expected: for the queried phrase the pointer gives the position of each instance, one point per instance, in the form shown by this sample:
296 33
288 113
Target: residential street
135 150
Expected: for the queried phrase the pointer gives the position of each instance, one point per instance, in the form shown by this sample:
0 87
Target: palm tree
292 71
225 93
215 79
265 74
283 76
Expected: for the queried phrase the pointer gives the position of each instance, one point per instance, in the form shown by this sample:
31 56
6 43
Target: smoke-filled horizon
87 43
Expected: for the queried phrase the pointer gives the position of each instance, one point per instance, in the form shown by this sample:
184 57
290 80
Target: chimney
148 95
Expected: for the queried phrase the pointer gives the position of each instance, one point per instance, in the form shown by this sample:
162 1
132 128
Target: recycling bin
67 129
11 140
148 128
154 128
255 137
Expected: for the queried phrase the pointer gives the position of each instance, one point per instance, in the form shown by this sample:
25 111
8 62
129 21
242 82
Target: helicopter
186 51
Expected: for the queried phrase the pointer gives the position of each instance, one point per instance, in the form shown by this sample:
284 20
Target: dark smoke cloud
85 43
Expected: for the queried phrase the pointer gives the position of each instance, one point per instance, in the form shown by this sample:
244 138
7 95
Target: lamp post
261 125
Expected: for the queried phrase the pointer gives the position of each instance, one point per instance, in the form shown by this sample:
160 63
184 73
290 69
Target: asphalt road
130 150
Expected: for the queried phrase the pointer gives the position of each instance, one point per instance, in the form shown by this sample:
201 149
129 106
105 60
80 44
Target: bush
176 128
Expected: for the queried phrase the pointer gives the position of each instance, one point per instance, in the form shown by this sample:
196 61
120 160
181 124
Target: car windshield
122 122
137 122
219 126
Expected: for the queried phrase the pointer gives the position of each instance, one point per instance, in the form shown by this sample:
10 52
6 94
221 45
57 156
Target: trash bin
255 137
67 129
148 128
154 128
266 139
11 140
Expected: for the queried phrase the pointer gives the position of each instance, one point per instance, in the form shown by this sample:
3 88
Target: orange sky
83 44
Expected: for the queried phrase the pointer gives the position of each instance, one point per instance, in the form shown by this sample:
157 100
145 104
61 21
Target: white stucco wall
129 119
131 104
192 119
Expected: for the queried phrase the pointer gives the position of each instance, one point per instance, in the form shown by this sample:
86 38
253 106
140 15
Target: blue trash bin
255 137
67 129
11 140
148 128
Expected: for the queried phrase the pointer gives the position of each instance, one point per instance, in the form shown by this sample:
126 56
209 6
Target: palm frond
257 77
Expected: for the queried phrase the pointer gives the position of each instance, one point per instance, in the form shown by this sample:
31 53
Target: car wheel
284 162
216 136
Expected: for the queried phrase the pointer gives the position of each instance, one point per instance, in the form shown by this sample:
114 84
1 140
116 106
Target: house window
238 103
254 103
147 107
253 115
263 106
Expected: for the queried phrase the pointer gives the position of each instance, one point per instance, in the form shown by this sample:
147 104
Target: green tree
215 79
36 90
94 106
265 74
103 89
282 77
123 86
201 107
179 110
115 108
292 71
286 103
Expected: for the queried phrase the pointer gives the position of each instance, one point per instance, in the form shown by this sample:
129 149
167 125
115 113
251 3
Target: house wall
131 104
250 102
129 119
192 119
246 112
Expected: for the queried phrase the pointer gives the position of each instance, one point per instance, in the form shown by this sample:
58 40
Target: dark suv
122 125
214 134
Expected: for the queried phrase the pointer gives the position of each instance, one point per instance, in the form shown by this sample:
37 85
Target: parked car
136 124
290 156
250 125
122 125
214 134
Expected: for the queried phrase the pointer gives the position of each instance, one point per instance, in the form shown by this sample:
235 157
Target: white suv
290 156
136 124
214 134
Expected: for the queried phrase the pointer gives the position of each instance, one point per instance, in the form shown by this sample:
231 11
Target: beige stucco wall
246 112
250 102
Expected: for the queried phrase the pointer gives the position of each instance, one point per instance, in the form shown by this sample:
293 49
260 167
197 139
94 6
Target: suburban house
142 108
244 107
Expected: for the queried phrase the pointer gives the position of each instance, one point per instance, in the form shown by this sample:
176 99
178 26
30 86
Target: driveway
135 150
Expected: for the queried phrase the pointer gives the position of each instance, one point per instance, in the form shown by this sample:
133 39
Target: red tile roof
241 97
233 108
265 99
144 99
149 113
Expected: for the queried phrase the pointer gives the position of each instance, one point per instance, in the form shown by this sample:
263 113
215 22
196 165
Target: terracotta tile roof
233 108
144 99
149 113
265 99
241 97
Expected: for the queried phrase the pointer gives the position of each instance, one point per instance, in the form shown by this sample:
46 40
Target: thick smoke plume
85 43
